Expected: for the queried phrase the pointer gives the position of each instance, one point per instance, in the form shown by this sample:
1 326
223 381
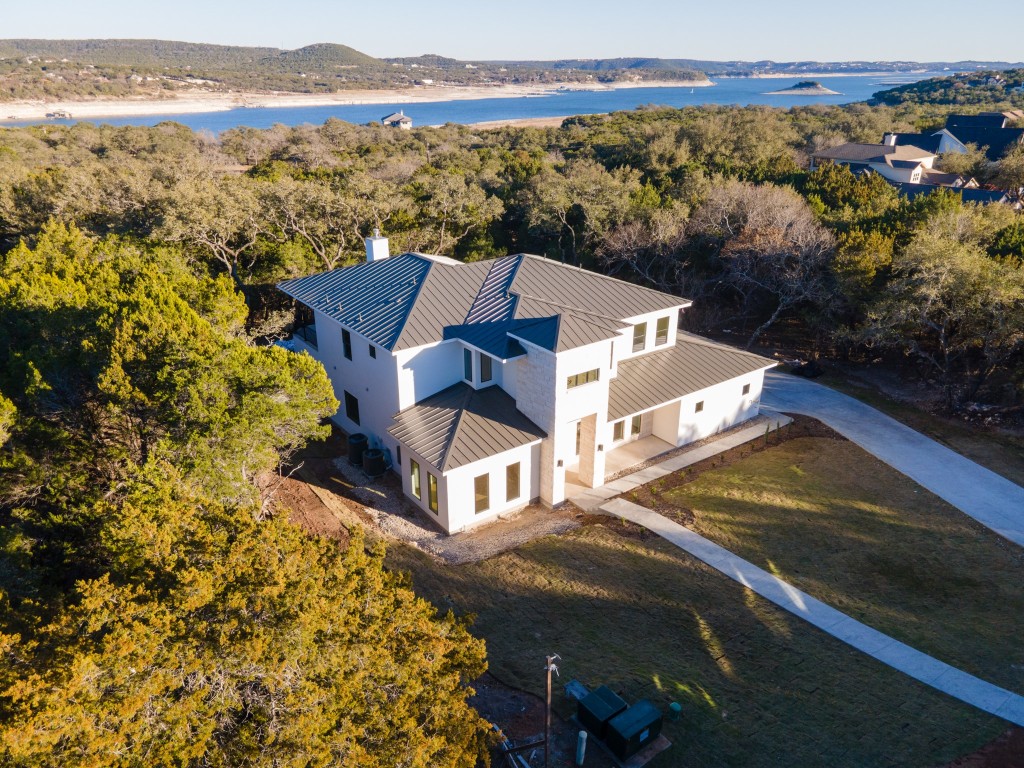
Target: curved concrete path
989 498
900 656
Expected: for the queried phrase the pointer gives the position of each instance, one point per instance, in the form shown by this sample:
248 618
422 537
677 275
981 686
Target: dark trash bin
634 729
597 708
373 462
356 445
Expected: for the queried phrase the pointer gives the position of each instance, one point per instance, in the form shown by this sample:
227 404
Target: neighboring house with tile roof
492 384
902 163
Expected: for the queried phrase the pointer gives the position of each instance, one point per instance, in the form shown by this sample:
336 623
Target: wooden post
548 666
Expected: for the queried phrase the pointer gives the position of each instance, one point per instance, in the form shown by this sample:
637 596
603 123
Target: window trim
346 344
415 479
351 404
640 329
432 492
585 377
485 496
660 337
509 496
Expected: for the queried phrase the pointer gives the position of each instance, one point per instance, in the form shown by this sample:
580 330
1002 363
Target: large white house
491 382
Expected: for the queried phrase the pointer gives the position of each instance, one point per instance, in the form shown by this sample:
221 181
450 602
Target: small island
805 88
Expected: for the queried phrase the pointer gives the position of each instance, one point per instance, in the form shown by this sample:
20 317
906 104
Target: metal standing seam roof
412 300
691 365
461 425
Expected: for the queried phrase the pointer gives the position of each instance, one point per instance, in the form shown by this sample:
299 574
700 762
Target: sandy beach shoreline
213 101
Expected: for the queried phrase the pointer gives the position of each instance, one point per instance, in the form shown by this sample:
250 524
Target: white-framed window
746 389
513 488
482 493
639 336
618 431
579 379
661 332
698 407
415 480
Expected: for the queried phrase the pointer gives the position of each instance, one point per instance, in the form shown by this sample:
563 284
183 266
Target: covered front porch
618 460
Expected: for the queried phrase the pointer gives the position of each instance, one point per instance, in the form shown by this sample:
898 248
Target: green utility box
634 729
597 708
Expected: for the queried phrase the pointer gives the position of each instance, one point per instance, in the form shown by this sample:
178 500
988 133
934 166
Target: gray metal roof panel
585 291
692 364
461 425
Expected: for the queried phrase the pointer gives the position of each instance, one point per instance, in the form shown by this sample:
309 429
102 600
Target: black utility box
597 708
634 729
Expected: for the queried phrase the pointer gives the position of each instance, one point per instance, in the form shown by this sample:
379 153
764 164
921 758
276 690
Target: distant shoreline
804 75
195 103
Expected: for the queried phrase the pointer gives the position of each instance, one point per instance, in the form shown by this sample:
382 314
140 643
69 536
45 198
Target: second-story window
346 344
373 351
467 365
485 367
639 336
579 379
661 332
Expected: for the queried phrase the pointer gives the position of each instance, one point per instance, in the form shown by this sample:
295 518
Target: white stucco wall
372 381
425 371
724 407
459 511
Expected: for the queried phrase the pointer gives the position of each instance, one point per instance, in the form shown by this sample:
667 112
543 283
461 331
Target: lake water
740 91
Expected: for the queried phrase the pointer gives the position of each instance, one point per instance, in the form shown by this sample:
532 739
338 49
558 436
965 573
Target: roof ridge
693 338
570 309
415 297
597 274
460 411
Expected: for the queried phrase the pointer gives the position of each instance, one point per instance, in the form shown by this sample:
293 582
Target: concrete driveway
989 498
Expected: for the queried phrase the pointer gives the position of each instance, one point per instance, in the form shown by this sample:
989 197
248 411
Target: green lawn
995 449
841 525
758 686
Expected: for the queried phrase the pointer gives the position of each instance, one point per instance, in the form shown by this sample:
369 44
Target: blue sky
525 29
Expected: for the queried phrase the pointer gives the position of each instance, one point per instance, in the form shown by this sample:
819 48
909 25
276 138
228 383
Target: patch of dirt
306 509
617 525
1007 751
327 496
652 495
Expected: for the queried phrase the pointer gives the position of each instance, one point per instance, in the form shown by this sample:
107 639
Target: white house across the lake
497 383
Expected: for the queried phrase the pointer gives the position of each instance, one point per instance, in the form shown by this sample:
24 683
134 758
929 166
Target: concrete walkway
989 498
920 666
592 498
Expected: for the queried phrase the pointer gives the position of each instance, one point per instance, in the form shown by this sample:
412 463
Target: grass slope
829 518
759 687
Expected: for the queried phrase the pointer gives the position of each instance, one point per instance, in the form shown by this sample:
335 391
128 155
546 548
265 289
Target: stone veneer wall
536 397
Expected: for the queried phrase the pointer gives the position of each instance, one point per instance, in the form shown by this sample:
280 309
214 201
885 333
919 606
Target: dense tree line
154 607
712 202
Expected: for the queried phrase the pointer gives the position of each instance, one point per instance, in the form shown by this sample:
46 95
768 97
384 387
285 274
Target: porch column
591 459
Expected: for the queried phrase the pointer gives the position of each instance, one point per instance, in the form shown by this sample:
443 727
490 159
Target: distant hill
972 88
